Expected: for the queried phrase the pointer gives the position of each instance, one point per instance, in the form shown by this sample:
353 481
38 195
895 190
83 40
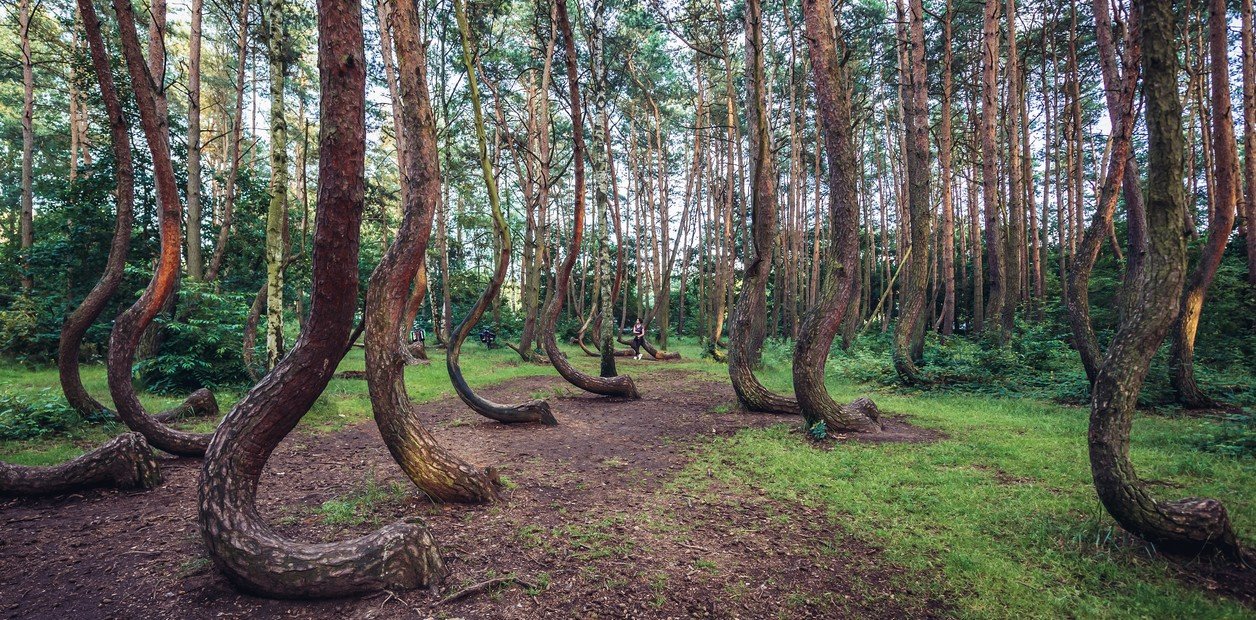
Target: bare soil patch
591 518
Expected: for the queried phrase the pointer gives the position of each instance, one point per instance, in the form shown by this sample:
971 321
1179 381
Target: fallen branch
484 586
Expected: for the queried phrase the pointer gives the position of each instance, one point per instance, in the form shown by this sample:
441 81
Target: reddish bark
824 318
251 554
437 472
622 385
129 327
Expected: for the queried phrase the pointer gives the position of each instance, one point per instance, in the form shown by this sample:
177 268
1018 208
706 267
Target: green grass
1000 517
1001 514
356 508
344 402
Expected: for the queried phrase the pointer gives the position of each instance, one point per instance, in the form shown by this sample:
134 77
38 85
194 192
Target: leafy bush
202 347
34 417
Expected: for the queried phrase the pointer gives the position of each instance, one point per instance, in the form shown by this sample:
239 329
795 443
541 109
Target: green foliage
202 347
818 431
43 414
1235 436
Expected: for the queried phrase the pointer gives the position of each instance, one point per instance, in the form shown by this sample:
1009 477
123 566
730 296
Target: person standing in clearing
638 338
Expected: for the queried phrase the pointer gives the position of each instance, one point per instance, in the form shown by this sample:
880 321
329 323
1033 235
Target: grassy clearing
1001 516
344 402
1002 513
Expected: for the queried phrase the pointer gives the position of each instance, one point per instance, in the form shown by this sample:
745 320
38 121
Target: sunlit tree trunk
1224 201
129 327
276 28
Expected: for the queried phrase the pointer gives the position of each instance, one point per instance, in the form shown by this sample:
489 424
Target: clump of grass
358 507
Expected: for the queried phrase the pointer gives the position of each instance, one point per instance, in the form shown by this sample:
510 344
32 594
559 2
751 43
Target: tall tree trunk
252 554
533 410
79 321
1224 201
745 324
1014 263
990 166
1249 135
195 264
1121 90
233 148
946 321
599 159
129 327
28 144
824 318
276 28
621 385
909 331
433 469
1147 316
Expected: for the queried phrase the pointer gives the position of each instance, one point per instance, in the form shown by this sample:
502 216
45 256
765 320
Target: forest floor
677 505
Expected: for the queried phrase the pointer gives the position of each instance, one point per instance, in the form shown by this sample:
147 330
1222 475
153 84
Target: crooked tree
243 546
1148 311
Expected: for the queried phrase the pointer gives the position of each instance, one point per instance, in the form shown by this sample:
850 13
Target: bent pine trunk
243 546
124 462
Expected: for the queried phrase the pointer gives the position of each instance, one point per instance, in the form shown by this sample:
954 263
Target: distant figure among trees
638 338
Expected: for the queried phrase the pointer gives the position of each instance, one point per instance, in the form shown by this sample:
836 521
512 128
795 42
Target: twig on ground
484 586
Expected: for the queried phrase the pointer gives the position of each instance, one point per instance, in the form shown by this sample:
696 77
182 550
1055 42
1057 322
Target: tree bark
27 222
824 318
748 314
1224 201
1121 89
124 462
251 554
1249 134
990 167
1148 313
909 330
194 262
129 327
276 29
622 385
440 474
532 410
946 321
233 149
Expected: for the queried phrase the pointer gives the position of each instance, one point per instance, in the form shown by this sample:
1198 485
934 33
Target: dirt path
592 519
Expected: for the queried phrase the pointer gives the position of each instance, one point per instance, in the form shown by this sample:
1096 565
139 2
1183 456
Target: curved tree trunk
654 352
824 318
532 410
1148 313
1224 204
438 473
909 330
622 385
124 462
129 327
1121 90
251 554
745 326
77 324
